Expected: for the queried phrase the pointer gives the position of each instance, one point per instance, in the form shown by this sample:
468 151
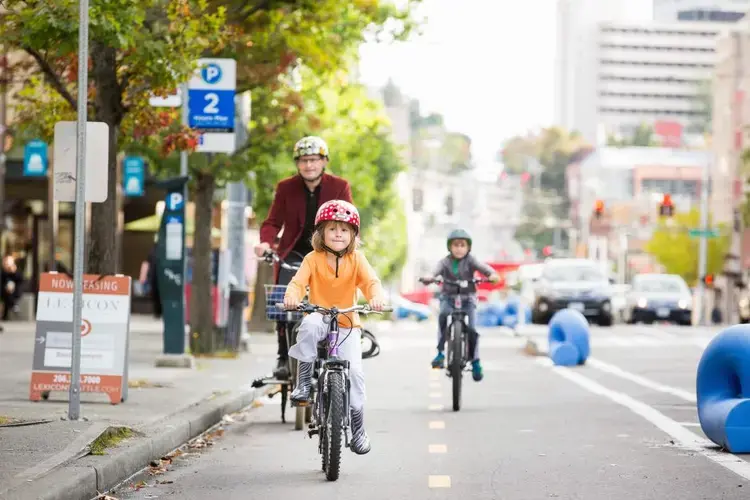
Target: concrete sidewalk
44 456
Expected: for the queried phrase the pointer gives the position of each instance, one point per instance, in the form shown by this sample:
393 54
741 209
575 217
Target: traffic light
708 280
598 209
666 207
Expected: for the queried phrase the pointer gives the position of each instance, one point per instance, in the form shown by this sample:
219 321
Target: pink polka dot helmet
338 211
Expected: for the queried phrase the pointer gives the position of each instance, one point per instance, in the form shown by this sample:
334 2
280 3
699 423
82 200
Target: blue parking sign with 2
211 109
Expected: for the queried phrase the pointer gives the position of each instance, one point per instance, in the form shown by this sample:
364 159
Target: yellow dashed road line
439 481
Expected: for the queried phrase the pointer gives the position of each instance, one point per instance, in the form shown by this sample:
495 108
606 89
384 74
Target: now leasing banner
104 336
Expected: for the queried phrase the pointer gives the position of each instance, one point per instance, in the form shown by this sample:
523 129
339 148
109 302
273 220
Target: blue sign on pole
211 105
35 158
133 174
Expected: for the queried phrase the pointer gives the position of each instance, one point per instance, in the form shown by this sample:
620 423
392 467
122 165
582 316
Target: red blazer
288 209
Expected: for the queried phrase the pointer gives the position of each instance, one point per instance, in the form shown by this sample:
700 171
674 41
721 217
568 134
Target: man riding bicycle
293 209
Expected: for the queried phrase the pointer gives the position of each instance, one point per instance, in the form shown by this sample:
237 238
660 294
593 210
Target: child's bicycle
289 321
330 396
459 348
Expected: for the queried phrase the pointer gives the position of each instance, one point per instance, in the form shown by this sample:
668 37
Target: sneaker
439 361
476 370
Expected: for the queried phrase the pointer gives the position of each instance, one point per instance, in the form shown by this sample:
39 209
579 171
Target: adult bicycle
459 343
288 325
331 386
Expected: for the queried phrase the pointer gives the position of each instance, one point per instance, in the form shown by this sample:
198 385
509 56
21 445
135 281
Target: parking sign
211 104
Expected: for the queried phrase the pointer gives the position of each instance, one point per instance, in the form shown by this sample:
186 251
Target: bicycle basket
275 295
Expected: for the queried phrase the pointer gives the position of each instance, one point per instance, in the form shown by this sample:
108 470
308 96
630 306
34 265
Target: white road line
643 381
686 438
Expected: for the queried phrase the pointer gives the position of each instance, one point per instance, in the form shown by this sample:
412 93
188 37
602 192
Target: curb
81 481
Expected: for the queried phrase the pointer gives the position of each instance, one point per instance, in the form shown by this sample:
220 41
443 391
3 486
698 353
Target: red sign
669 132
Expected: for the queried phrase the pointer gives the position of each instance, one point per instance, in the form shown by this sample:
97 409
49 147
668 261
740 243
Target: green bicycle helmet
458 234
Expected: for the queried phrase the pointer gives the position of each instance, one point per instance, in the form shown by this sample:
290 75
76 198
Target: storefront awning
151 223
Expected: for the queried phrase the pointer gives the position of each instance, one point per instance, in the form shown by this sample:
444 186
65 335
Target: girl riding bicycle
460 265
334 270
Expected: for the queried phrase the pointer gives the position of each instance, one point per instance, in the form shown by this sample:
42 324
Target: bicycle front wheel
335 424
456 366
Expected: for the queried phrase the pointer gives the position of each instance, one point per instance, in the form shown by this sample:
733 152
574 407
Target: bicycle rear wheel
456 362
335 424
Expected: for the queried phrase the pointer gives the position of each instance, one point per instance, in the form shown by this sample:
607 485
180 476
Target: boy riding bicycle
460 265
334 270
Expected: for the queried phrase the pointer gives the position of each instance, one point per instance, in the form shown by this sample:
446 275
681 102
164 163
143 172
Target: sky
486 65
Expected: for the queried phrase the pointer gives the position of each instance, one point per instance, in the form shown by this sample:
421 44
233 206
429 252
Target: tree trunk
201 305
109 109
258 321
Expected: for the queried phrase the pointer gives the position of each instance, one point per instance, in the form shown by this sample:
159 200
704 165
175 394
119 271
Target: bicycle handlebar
460 283
270 256
310 308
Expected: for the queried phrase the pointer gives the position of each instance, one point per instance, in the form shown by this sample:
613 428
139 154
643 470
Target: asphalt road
622 427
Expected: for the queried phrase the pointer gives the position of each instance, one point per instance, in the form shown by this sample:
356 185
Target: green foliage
643 136
678 252
552 150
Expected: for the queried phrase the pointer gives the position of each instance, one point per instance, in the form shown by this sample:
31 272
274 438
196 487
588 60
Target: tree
125 64
643 136
552 150
357 132
674 249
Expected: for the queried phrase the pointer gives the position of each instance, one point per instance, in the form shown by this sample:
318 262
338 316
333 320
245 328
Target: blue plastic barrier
568 338
723 387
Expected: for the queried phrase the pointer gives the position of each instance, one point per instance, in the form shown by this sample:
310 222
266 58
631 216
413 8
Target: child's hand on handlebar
377 304
494 278
290 302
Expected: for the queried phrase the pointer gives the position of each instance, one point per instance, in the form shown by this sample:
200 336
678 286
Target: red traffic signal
598 208
708 280
666 207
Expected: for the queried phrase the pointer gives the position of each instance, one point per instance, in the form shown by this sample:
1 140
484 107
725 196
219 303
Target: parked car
577 284
659 297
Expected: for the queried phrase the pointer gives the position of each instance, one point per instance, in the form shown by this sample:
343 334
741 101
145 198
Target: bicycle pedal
313 432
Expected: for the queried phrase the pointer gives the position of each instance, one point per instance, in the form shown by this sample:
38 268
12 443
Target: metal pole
74 404
185 115
185 191
703 247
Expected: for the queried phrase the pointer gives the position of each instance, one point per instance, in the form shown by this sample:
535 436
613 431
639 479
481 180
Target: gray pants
313 330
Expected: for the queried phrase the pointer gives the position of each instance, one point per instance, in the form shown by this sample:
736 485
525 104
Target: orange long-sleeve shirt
327 290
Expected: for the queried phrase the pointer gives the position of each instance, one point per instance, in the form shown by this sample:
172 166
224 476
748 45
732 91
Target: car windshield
573 273
660 285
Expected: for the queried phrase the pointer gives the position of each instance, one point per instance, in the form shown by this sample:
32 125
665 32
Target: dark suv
577 284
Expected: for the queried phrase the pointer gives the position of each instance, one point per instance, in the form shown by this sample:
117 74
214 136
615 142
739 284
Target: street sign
104 332
96 165
35 158
211 105
170 101
698 233
133 173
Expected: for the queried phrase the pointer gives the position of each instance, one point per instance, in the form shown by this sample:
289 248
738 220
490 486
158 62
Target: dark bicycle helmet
458 234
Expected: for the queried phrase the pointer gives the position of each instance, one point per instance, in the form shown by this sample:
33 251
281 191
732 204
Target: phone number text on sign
49 382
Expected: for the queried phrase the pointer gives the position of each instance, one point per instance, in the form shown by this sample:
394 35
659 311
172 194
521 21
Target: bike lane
527 431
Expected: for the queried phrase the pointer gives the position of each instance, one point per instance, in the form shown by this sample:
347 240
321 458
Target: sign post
171 273
211 105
